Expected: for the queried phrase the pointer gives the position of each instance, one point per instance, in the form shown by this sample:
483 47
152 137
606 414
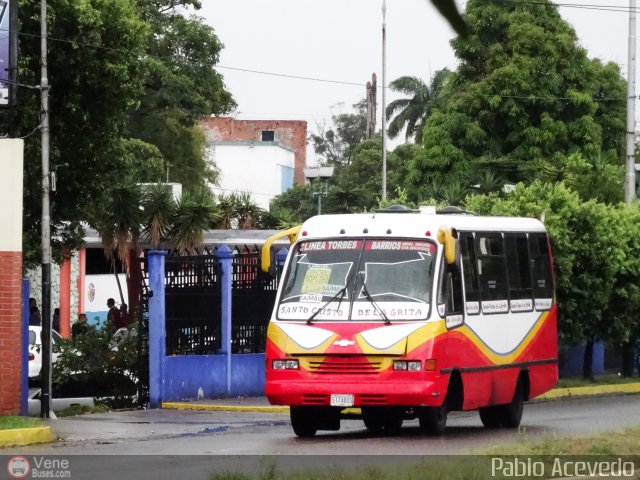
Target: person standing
124 316
55 324
113 315
34 313
80 327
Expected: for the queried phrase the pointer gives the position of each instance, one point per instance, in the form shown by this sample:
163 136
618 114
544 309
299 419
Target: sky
340 41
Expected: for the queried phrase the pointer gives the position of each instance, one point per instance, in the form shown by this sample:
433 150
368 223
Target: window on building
268 136
96 263
286 178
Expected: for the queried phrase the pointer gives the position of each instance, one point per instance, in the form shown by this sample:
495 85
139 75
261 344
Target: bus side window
470 273
492 273
518 272
541 271
450 304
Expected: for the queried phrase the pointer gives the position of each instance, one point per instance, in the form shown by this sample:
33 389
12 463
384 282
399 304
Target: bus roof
410 225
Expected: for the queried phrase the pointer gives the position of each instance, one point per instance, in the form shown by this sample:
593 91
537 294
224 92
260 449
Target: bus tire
433 420
490 417
511 413
302 422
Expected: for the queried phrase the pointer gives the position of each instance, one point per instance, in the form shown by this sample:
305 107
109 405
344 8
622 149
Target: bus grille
315 399
347 366
373 399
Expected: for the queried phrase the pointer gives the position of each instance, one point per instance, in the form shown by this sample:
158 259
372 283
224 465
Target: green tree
525 91
335 145
412 113
180 88
592 243
128 80
295 204
95 78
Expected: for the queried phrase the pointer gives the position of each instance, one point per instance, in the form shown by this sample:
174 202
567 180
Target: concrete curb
588 391
556 393
16 437
225 408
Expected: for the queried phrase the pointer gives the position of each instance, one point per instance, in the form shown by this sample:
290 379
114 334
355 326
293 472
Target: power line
225 67
585 6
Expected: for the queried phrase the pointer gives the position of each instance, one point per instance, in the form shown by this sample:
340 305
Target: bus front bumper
363 394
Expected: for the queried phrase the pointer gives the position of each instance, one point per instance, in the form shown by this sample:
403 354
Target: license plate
341 400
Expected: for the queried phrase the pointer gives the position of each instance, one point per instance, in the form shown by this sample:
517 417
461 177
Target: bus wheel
433 420
511 413
302 422
490 417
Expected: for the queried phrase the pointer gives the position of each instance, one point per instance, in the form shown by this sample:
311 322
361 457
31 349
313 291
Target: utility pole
45 396
630 183
384 99
371 106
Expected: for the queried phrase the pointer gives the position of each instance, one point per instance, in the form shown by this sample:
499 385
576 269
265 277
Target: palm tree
121 223
489 182
228 208
414 111
248 212
196 212
159 210
118 220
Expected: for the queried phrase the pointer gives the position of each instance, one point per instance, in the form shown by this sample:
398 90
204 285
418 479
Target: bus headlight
285 364
407 366
414 366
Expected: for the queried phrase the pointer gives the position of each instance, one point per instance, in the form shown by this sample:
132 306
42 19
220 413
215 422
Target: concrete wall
11 166
254 168
205 376
288 133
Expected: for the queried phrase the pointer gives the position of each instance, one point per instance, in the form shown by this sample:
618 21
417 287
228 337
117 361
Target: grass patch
10 422
625 442
74 410
473 466
609 379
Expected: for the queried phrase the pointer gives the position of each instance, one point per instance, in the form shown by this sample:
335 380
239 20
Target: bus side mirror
267 262
447 237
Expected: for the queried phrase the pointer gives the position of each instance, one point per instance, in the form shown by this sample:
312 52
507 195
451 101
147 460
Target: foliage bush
99 363
596 255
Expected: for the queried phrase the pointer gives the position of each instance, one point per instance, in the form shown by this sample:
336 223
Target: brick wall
10 313
289 133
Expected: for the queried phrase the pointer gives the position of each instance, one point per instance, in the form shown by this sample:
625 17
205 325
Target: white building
263 169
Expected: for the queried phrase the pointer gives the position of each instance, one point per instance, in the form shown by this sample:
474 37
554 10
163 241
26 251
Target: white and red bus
402 314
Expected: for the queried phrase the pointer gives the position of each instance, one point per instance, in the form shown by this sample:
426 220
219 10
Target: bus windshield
367 279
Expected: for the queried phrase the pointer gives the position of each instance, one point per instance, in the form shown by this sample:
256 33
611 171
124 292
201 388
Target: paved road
172 433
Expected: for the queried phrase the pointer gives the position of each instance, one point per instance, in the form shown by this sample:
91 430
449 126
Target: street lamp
319 173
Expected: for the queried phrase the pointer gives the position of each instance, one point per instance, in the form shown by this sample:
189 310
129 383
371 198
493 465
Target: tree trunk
134 283
116 273
627 358
587 363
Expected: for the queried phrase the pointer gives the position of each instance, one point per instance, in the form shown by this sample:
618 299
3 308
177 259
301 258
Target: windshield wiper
340 293
377 308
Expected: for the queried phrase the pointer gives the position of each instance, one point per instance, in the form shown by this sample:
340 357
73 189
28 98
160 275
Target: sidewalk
166 422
